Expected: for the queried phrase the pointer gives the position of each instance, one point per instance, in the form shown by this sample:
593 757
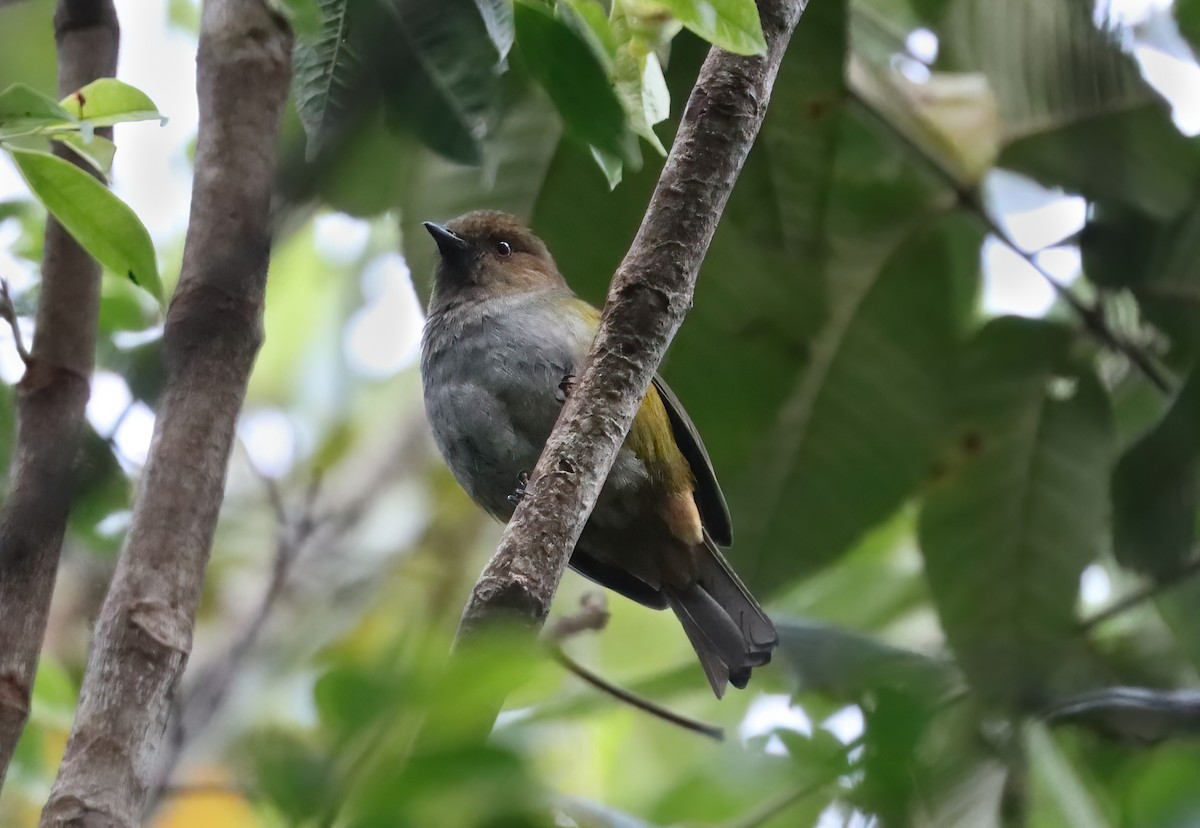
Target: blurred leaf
1075 110
23 108
731 24
951 115
1134 156
1137 715
835 467
568 70
290 773
96 150
1187 14
1046 61
1156 490
349 699
102 223
498 18
108 101
848 665
439 68
1067 798
586 814
1017 509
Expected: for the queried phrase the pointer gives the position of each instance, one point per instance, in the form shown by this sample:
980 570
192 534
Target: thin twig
633 700
592 616
1091 317
1138 596
9 314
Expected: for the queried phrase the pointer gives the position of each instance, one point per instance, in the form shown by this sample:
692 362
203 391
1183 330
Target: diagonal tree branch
213 332
51 399
650 293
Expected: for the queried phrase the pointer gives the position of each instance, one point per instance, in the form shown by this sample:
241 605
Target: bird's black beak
450 244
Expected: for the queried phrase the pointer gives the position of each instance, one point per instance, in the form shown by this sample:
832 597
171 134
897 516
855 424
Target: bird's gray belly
491 410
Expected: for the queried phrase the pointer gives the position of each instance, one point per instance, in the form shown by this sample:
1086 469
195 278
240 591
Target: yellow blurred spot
207 799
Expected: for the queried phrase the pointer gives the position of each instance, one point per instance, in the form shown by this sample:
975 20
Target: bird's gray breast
491 373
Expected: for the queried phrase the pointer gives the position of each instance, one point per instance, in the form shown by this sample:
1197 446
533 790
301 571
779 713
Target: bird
503 340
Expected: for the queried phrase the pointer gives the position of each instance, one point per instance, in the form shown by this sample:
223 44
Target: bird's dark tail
726 626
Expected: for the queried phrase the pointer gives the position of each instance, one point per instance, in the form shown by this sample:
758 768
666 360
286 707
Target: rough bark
50 400
650 294
213 332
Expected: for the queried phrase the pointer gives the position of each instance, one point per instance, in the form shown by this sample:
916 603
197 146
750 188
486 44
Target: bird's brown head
485 254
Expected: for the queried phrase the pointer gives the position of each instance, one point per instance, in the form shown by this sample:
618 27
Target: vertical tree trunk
51 399
213 332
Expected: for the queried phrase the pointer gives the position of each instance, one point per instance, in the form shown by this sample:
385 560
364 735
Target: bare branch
51 399
650 293
213 332
592 615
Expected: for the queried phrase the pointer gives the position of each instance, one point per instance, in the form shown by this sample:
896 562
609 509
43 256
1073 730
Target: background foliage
919 485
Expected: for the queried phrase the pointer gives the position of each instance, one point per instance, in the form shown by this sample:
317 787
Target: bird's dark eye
503 249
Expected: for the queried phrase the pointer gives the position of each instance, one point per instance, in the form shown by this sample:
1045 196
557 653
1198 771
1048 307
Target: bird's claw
519 493
565 387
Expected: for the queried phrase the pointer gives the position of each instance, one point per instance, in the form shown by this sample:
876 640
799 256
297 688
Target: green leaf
96 150
848 665
1074 108
835 465
733 25
1187 14
1156 490
23 109
108 101
439 68
102 223
1017 509
568 70
329 81
498 18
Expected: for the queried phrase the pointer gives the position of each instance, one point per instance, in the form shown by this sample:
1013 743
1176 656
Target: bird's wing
709 498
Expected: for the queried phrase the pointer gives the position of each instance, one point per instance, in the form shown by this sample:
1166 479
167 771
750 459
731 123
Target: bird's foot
565 388
519 493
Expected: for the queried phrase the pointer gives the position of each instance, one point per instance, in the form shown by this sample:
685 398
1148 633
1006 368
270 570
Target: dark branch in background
650 293
50 399
199 703
1092 317
213 332
1143 594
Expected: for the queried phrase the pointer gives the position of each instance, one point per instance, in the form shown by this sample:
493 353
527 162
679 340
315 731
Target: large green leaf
849 666
569 71
440 69
102 223
1018 508
1075 110
1156 490
330 81
861 425
731 24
